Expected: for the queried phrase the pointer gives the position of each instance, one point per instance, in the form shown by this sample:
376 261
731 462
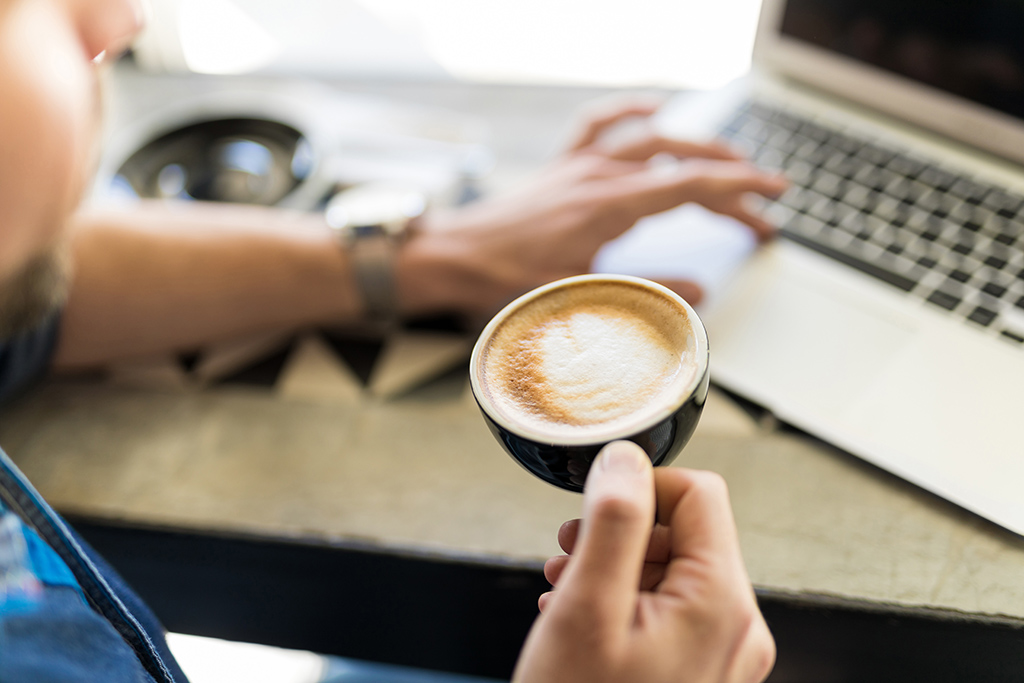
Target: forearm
159 279
154 280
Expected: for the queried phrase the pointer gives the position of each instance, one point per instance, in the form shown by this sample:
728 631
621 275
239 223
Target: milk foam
599 354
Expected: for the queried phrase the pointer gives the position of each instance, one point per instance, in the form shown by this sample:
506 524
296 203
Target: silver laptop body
889 320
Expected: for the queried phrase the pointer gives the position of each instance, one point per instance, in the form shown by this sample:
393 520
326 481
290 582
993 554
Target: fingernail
622 456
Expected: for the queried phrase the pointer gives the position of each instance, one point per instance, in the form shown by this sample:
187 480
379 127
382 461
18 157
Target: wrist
426 268
372 222
456 262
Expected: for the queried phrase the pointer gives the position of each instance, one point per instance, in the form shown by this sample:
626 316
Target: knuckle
592 204
616 512
760 649
595 166
581 208
647 144
711 484
570 614
765 658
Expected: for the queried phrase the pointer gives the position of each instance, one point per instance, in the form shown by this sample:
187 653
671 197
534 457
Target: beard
37 289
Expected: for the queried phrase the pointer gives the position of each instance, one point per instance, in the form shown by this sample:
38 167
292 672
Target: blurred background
664 43
458 97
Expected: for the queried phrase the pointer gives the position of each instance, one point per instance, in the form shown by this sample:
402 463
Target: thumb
691 291
602 580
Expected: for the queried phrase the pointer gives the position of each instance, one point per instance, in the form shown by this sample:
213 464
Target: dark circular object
240 160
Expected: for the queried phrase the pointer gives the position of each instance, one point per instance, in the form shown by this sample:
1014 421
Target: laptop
888 318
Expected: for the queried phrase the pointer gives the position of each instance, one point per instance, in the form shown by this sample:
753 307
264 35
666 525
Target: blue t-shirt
65 614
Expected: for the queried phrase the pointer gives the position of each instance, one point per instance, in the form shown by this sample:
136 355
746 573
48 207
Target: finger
658 548
543 600
749 209
695 506
718 185
651 144
554 567
567 535
600 583
763 230
650 576
601 116
755 656
691 291
727 182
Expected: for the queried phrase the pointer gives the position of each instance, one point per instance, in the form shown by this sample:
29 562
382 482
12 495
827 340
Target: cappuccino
588 359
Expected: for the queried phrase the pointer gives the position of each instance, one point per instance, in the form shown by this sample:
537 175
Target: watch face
375 205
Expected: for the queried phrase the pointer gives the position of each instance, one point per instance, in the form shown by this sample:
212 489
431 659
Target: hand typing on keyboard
598 189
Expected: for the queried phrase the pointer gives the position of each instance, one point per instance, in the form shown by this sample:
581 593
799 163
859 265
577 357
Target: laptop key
828 184
846 144
814 131
941 179
806 225
959 275
944 300
875 154
994 289
856 196
995 262
1013 336
970 191
906 167
982 316
1003 202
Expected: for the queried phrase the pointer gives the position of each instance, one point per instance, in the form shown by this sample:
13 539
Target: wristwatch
371 221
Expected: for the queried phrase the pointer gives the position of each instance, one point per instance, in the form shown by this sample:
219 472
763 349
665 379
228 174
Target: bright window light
690 43
670 43
219 38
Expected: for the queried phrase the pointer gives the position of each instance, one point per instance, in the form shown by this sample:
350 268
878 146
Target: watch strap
371 221
372 252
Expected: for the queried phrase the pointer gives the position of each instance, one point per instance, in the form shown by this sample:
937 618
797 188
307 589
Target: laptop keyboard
942 236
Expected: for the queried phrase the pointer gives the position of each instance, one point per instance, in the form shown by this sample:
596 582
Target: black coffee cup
662 426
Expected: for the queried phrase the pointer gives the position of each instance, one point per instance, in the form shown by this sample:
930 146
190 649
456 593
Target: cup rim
594 436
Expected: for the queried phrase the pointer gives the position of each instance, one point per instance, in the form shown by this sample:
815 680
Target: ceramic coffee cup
576 364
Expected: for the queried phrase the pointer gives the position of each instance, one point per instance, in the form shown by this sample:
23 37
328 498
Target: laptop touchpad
786 343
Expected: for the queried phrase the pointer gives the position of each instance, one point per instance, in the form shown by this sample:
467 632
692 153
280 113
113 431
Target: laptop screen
970 48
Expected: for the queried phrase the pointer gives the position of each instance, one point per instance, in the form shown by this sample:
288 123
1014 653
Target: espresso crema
588 357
